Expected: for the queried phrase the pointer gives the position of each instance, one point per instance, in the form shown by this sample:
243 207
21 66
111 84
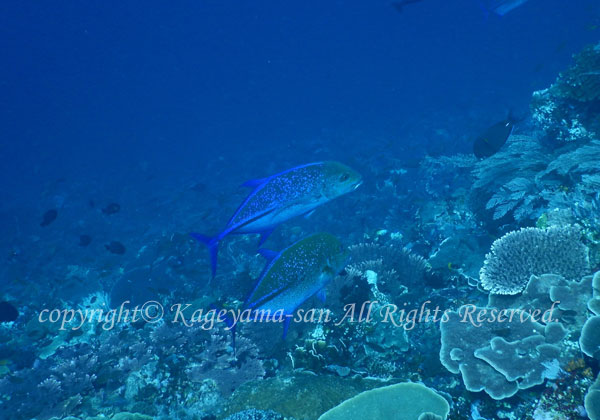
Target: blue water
167 108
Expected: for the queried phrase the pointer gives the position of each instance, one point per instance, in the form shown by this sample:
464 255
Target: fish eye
344 177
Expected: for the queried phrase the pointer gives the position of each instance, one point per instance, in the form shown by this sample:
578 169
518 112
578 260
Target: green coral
405 401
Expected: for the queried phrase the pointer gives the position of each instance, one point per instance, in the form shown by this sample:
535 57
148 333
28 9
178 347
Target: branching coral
218 363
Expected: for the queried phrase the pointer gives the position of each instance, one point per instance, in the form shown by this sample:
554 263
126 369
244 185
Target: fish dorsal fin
268 254
254 183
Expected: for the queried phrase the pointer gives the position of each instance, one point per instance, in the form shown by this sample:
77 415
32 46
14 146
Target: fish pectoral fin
267 253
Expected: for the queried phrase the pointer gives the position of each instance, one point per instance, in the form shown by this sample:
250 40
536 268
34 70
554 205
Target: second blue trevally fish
280 197
292 276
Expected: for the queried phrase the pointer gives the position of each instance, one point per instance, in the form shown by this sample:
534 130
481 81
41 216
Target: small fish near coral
283 196
8 313
493 138
112 208
85 240
49 217
115 247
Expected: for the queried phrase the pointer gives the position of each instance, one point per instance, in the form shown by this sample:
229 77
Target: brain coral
518 255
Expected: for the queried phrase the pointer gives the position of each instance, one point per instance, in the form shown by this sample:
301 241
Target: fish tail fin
213 247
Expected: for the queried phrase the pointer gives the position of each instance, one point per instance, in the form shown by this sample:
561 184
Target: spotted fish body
297 273
275 199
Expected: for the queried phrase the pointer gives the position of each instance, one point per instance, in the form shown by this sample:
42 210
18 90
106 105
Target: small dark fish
115 247
85 240
538 67
49 217
8 312
112 208
492 139
399 5
199 187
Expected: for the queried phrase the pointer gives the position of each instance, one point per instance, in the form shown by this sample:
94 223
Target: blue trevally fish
280 197
295 274
502 7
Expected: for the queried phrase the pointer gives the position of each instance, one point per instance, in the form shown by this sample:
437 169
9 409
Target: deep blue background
87 87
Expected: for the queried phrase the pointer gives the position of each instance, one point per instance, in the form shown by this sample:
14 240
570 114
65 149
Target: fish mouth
358 184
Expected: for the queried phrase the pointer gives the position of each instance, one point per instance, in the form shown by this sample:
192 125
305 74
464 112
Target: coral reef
307 395
592 401
404 401
504 182
254 414
90 374
518 255
486 360
567 111
396 269
581 82
590 338
421 230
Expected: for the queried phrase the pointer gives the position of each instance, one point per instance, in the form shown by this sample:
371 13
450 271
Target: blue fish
295 274
280 197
